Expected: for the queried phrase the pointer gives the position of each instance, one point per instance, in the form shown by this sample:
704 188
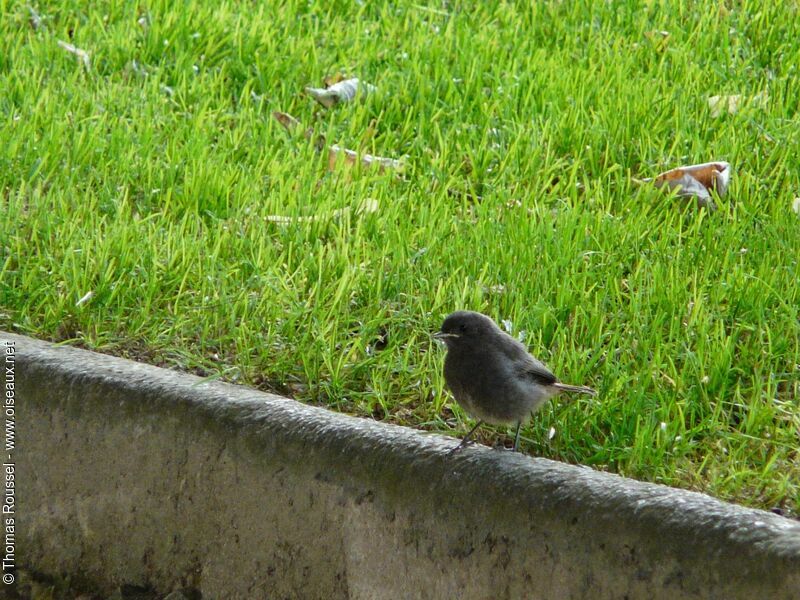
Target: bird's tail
578 389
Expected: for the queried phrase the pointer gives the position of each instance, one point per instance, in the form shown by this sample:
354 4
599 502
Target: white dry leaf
723 104
351 158
85 298
81 54
796 205
343 91
696 181
719 105
551 433
370 205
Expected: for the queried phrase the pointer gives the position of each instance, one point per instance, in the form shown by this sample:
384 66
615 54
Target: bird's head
465 327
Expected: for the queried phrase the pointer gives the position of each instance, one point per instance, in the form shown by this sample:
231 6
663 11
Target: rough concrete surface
127 473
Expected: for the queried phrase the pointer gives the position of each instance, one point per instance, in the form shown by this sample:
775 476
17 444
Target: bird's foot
461 446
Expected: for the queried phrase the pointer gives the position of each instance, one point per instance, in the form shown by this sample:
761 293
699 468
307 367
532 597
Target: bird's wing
525 364
536 371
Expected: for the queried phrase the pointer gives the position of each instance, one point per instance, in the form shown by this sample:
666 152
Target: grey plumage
492 375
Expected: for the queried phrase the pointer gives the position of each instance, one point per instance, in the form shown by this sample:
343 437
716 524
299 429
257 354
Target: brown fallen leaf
330 80
369 205
293 126
352 158
288 121
81 54
696 181
349 157
344 91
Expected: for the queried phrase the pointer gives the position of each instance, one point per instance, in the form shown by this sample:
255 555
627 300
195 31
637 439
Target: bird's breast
488 390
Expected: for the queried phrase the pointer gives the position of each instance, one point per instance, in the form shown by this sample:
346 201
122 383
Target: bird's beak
441 335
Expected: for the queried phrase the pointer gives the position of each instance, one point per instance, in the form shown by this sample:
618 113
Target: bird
492 375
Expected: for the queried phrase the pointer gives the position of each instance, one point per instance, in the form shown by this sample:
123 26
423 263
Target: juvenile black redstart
492 375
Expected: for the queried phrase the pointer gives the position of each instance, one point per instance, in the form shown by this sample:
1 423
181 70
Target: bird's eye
462 328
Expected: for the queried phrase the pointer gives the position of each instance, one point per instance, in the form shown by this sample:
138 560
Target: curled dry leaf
344 91
81 54
369 205
330 80
85 298
288 121
293 126
349 157
352 158
730 104
697 181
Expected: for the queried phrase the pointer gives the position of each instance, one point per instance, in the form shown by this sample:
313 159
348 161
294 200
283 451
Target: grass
147 180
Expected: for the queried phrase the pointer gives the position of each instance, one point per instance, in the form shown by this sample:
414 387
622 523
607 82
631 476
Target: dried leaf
293 125
85 298
81 54
723 104
351 158
730 104
288 121
796 205
697 181
344 91
330 80
369 205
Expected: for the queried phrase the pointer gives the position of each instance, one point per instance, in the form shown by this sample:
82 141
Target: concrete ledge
128 473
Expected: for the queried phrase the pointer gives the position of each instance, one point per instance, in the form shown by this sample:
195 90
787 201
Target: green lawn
148 178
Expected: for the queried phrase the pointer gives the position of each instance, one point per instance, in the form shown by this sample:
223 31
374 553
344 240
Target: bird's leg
516 437
466 441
